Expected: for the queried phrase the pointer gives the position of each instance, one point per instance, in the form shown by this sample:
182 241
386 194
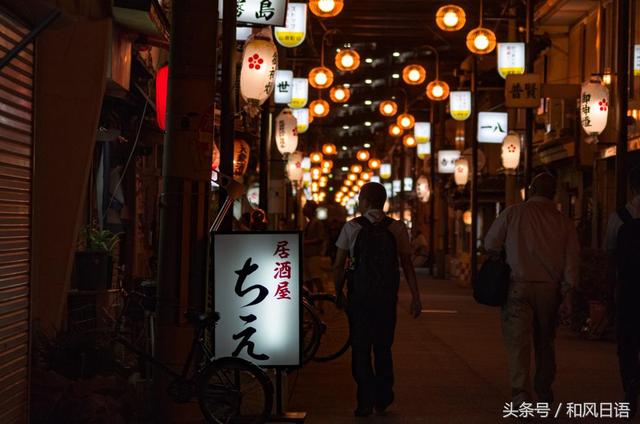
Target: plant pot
93 270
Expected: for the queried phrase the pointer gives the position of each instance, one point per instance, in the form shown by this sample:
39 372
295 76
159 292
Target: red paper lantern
162 83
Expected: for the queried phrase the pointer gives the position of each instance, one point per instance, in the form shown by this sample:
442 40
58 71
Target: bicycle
228 389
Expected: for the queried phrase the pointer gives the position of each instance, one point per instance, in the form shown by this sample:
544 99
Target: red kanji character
283 292
282 270
282 249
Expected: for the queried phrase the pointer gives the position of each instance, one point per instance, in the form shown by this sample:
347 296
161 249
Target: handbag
492 284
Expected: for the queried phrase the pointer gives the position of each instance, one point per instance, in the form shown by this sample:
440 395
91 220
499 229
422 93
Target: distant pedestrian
542 250
377 246
315 245
623 248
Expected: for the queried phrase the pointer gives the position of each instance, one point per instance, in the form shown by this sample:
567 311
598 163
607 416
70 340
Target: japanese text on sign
264 12
523 90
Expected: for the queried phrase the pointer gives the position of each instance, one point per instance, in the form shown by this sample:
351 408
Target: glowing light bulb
451 18
481 42
405 122
321 78
318 109
437 91
339 93
326 5
388 108
347 61
414 75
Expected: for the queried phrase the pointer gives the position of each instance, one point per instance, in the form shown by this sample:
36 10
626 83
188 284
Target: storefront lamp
162 81
294 32
326 8
594 106
405 121
347 60
259 65
385 171
374 164
329 149
467 218
414 74
511 151
460 105
283 91
423 150
241 155
450 18
409 141
286 132
319 108
362 155
299 93
511 57
461 173
294 167
388 108
422 132
447 161
339 94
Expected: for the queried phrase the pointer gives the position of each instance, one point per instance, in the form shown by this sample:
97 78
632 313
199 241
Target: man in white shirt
542 250
377 246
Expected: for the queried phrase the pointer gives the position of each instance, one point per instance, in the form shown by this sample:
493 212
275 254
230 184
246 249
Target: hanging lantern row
374 163
315 157
319 108
395 130
409 141
481 40
437 90
321 77
355 168
362 155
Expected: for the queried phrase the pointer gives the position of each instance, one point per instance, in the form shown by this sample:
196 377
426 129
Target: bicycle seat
201 320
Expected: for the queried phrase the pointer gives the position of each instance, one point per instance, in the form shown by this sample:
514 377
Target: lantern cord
324 40
435 51
481 12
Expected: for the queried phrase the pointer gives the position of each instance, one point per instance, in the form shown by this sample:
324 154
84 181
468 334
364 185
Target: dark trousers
628 334
372 327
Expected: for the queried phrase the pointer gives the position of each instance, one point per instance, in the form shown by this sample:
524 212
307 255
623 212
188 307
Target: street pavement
450 367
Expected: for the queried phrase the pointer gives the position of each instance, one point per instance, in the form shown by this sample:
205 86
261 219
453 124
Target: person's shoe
362 411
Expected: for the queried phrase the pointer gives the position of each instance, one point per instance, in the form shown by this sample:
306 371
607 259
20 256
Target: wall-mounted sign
263 12
293 34
300 93
511 58
460 105
423 150
302 115
447 161
257 294
283 90
492 126
422 132
523 90
636 60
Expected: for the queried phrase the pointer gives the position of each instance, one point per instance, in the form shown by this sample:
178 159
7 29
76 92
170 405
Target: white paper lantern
253 195
492 127
594 106
422 132
302 116
447 161
385 171
389 189
283 90
397 186
295 30
461 172
423 190
636 60
259 65
286 132
294 167
408 184
306 163
511 58
511 151
300 93
243 33
460 105
423 150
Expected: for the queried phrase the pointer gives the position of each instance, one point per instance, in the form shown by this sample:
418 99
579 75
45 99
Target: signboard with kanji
262 12
257 294
523 91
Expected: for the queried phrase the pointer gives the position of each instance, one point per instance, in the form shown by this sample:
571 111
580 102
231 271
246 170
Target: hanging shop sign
447 161
422 132
241 154
492 126
460 105
396 186
385 171
594 106
283 91
286 132
511 57
294 32
423 150
262 12
300 93
408 184
302 117
259 65
523 90
257 294
636 60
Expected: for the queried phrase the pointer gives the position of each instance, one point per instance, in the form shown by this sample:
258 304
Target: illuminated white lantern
461 172
286 132
283 90
294 167
302 116
300 93
306 163
295 30
511 151
423 190
460 105
492 126
385 171
253 195
408 184
511 57
636 60
422 132
243 33
447 161
259 65
396 186
423 150
594 106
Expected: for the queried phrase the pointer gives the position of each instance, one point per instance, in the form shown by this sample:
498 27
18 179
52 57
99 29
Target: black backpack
628 251
375 275
492 284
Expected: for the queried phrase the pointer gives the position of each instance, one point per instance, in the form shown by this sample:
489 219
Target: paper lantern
423 189
511 57
326 8
461 172
162 84
492 126
409 141
316 173
450 18
286 132
408 184
321 77
636 60
422 132
374 164
414 74
395 130
460 105
362 155
437 90
299 93
481 41
347 60
405 121
423 150
327 166
339 94
329 149
397 186
356 168
467 218
594 106
385 171
388 108
511 151
352 177
295 29
315 157
259 64
283 91
447 161
294 167
365 176
253 195
319 108
241 154
302 118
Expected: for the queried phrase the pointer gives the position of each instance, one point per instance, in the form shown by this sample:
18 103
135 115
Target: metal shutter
16 158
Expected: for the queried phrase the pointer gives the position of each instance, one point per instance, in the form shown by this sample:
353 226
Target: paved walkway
450 367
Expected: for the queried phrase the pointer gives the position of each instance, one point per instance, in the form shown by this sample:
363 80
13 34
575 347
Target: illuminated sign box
492 127
257 294
272 12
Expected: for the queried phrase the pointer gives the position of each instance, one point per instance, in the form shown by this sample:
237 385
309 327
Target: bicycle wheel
232 390
310 332
334 327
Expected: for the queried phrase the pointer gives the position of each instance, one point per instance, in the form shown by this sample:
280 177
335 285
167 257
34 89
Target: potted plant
94 264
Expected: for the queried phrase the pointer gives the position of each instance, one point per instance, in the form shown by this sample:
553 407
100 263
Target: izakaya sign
511 59
263 12
523 90
492 127
293 34
257 294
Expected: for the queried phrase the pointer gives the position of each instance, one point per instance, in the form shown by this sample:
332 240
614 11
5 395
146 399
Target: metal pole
227 126
474 174
265 143
528 156
623 102
432 201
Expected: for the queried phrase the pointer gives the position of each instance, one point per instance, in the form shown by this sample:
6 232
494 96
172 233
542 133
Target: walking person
377 246
542 250
623 248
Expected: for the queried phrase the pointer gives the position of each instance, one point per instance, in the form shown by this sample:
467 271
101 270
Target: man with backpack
623 247
377 246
